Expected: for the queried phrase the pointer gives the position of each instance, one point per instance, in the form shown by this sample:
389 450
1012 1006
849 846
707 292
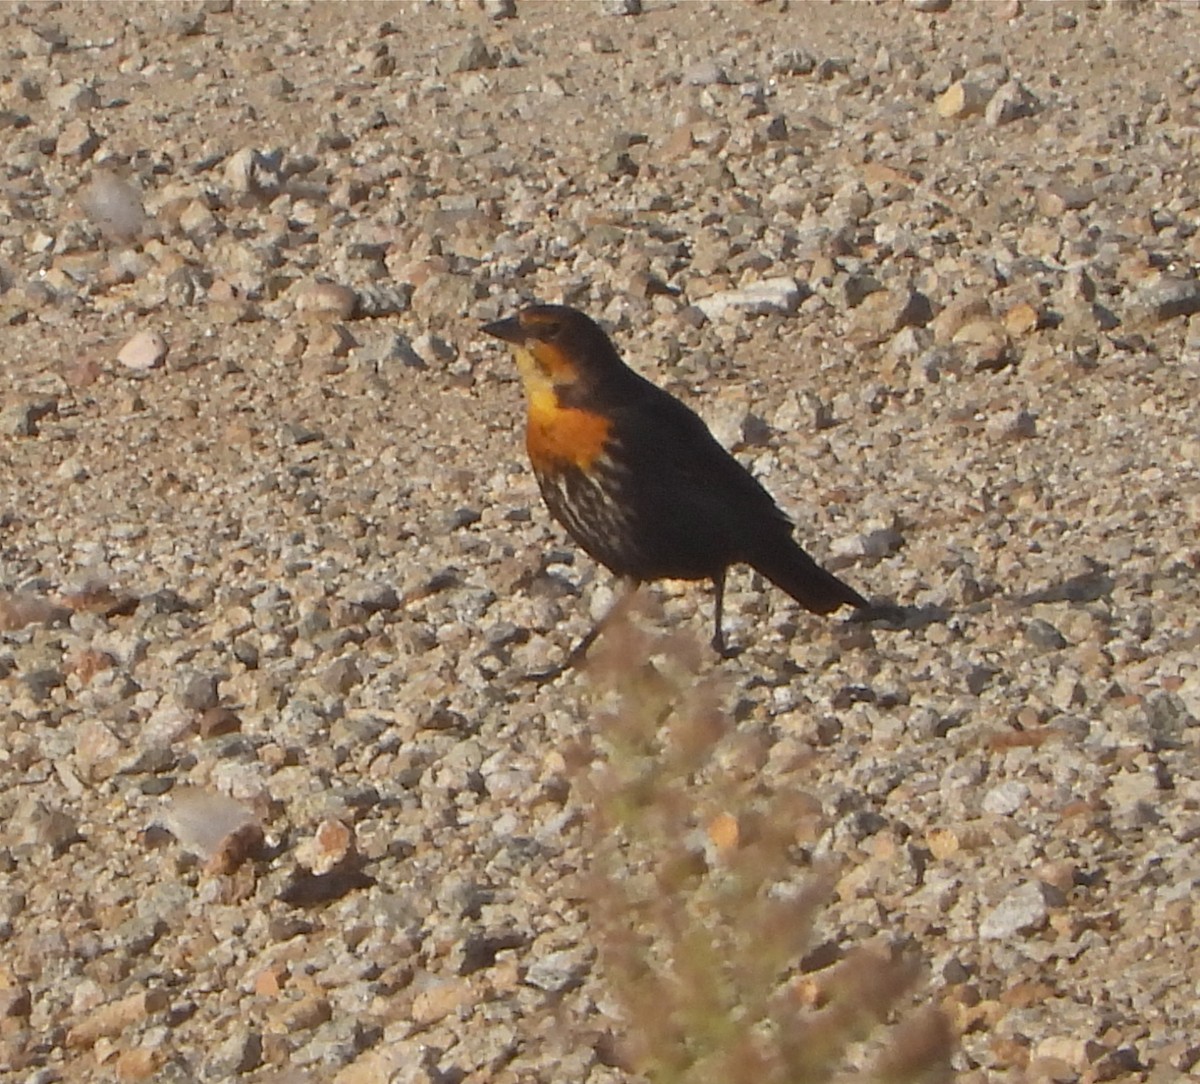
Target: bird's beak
509 330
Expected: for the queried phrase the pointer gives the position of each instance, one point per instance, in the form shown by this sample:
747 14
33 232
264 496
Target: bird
638 480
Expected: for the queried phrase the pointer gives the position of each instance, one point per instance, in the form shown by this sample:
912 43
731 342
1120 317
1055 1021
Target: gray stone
705 74
21 414
475 56
1010 102
1166 299
1044 636
1022 911
781 296
558 972
1006 799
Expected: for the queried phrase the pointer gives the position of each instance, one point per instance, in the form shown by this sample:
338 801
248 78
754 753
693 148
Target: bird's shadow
1088 586
893 615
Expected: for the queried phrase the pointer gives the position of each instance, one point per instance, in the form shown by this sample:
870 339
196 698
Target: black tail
789 568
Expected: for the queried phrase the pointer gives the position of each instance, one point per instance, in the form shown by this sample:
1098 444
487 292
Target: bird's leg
718 640
577 654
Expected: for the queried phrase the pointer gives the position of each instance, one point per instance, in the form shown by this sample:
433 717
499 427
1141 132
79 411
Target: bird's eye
548 331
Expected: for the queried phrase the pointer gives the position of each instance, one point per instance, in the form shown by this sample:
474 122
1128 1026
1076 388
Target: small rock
857 288
188 24
558 972
1044 636
1058 197
42 682
878 316
215 721
1071 1051
881 543
1022 319
776 129
930 7
462 517
620 7
475 56
617 164
440 999
1167 717
97 750
19 418
735 427
803 410
500 9
832 66
77 140
1016 424
331 341
279 85
707 73
308 1013
1004 800
114 1017
435 349
332 844
875 545
250 172
340 676
400 348
372 597
199 693
1011 102
1165 299
146 350
74 96
52 37
779 295
957 314
326 302
961 99
387 300
1078 286
794 62
15 1001
908 308
235 1054
1068 691
51 827
198 221
1022 911
987 344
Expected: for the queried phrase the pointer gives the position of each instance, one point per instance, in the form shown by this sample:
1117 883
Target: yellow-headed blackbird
636 477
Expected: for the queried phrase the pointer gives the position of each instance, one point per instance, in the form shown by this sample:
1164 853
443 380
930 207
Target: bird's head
557 348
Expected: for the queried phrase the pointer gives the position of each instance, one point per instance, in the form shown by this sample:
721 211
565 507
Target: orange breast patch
557 436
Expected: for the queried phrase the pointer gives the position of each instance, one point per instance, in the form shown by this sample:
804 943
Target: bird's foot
542 677
724 650
883 611
574 657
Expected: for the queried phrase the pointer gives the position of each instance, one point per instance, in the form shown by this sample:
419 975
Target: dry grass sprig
702 913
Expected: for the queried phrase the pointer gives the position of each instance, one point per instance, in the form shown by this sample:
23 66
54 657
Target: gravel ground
277 803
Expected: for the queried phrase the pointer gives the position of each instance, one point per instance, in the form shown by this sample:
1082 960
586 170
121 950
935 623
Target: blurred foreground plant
701 912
